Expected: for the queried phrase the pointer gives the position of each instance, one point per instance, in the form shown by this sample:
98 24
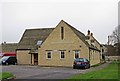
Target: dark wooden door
35 59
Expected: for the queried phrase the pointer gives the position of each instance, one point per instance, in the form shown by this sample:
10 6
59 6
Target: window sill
48 58
62 59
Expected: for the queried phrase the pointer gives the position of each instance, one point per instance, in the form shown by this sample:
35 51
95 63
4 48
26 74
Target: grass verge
110 72
5 75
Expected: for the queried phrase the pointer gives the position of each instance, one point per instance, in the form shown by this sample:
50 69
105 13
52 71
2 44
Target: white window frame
47 54
78 51
61 54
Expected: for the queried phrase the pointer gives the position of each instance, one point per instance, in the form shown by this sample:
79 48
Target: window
49 55
85 60
76 54
62 33
62 54
39 42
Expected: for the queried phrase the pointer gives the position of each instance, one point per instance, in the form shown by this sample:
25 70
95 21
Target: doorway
36 59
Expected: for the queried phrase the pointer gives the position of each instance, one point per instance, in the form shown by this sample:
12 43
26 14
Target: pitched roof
32 36
82 36
9 47
78 33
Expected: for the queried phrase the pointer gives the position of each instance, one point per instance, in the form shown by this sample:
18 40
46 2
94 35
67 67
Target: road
37 72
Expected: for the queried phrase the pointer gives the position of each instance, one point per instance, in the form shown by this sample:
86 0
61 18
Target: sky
98 16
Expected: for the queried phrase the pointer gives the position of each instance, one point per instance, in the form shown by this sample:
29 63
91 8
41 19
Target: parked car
81 63
6 60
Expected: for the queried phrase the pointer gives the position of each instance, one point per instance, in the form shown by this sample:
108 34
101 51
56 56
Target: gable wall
54 43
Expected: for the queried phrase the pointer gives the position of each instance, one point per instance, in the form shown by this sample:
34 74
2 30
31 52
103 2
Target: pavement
37 72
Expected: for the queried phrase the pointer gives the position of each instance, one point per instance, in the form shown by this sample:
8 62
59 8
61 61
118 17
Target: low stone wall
111 58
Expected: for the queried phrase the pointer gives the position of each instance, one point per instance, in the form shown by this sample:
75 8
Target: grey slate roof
32 36
82 37
9 47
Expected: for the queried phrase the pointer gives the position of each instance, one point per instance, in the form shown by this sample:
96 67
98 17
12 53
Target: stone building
57 46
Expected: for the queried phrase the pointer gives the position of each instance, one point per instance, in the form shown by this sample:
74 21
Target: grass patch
96 65
110 72
5 75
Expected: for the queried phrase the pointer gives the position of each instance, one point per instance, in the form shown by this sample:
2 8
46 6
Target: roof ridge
73 27
38 28
78 33
31 36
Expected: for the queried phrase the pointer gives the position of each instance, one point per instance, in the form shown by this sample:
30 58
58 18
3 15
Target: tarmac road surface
37 72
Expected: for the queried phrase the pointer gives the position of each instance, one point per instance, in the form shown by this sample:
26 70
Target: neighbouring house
8 49
57 46
113 52
104 53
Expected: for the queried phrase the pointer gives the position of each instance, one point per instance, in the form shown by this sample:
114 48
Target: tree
114 39
116 36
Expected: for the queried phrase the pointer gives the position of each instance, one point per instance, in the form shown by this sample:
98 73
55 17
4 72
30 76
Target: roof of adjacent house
31 37
82 37
9 47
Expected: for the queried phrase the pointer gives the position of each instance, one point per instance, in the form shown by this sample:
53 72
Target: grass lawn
5 75
110 72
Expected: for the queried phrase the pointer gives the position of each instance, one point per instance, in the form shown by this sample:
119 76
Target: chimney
88 32
92 34
4 43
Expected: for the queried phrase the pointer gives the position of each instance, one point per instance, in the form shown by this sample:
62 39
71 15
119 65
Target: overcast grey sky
99 16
